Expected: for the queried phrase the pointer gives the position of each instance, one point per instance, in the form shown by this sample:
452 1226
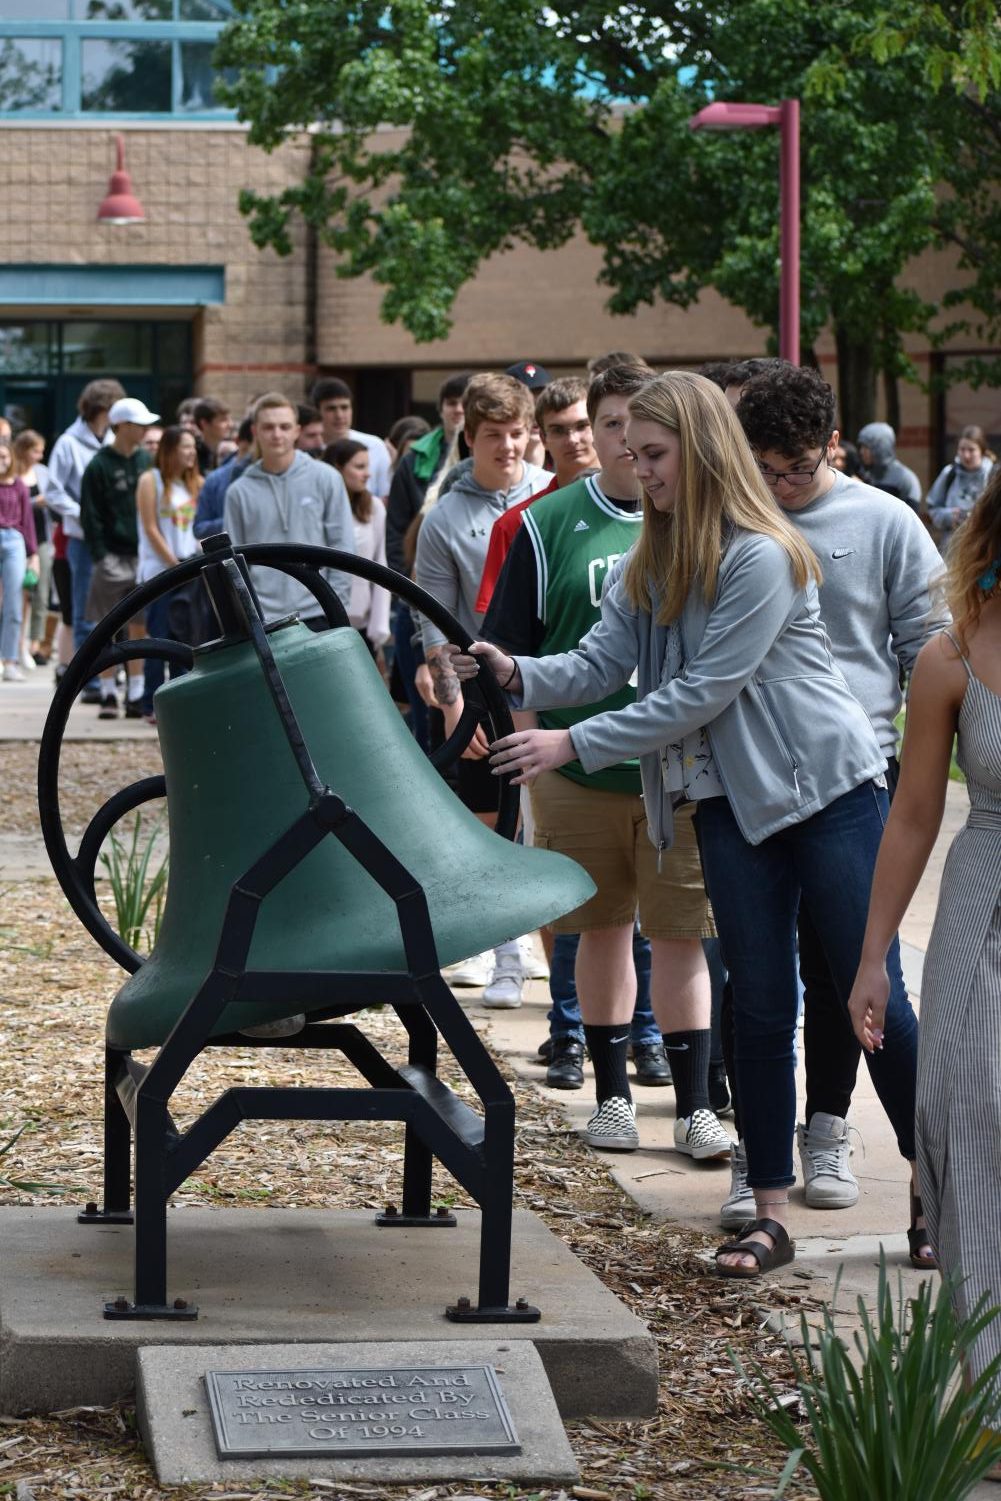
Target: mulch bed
705 1441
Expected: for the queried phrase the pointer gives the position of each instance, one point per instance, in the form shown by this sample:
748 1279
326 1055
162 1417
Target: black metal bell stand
477 1148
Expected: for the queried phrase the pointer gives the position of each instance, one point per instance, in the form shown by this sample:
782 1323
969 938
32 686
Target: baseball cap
530 374
131 409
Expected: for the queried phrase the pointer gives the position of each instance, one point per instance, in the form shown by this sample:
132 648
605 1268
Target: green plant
27 1185
907 1424
138 895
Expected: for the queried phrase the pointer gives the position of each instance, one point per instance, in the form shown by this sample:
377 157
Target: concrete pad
294 1276
176 1425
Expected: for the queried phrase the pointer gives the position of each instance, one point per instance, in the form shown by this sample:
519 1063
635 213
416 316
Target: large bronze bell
233 787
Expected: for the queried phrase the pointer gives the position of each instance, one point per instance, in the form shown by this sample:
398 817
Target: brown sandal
767 1257
918 1240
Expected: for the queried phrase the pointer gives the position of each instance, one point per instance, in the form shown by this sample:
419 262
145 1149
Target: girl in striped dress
956 689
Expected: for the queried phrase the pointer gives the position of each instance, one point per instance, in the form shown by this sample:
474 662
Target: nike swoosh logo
842 552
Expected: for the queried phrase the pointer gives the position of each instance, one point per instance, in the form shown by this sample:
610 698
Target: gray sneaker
738 1207
824 1150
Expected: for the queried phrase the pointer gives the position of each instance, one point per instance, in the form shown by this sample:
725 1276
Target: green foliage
444 133
903 1422
30 1185
137 890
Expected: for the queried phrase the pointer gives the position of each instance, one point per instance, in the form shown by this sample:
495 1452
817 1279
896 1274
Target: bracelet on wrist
510 677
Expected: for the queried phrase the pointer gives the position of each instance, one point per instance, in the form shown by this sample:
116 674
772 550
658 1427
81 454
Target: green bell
233 787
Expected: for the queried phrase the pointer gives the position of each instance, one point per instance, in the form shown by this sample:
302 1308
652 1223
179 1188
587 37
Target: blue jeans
564 1015
81 568
154 668
13 557
404 648
825 862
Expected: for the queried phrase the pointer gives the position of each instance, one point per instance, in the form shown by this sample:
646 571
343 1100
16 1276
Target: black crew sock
608 1047
688 1055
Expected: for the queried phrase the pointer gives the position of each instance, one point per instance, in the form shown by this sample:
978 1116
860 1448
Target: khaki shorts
113 577
606 833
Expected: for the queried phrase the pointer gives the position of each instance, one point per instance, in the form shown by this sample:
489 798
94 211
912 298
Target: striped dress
959 1055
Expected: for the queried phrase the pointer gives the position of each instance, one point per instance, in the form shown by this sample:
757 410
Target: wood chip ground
705 1441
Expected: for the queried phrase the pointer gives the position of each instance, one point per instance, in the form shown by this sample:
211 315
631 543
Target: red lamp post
120 205
786 117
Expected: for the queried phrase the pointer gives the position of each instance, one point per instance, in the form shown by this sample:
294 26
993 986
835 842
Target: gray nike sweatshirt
453 540
307 504
877 560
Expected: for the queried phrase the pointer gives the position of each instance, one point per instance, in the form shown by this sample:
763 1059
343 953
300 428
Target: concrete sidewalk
24 706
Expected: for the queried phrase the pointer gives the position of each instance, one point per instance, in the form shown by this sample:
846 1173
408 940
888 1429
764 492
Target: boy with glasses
877 561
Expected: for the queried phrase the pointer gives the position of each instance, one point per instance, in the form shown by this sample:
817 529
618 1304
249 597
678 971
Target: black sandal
767 1257
918 1240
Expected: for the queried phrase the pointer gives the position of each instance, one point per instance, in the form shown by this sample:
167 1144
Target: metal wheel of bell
77 874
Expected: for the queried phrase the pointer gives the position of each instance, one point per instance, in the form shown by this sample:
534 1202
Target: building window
31 74
130 58
125 77
45 364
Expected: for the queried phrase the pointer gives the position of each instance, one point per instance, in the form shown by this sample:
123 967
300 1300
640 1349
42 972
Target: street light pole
789 234
786 116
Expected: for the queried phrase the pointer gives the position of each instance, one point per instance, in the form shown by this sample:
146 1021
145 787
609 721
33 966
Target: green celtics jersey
577 535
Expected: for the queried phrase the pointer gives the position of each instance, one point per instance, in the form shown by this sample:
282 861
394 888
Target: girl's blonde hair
719 487
974 560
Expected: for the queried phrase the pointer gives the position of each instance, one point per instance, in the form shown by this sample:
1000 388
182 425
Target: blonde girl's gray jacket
786 733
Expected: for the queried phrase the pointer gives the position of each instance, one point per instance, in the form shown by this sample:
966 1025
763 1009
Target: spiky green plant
30 1185
137 890
903 1422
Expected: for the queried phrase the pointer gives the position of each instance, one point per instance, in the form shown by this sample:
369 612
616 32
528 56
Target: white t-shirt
369 607
175 513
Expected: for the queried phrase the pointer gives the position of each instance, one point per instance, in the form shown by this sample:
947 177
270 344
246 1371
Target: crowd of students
768 613
703 603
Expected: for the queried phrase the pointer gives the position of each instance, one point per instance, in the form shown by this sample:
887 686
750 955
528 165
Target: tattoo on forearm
446 685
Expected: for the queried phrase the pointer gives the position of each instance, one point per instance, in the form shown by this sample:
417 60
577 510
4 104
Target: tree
958 43
523 123
498 135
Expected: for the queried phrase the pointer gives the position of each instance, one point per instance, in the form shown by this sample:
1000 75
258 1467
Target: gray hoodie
877 560
307 504
886 471
453 540
71 454
786 734
954 494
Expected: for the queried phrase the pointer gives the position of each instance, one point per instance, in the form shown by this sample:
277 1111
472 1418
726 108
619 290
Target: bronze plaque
385 1411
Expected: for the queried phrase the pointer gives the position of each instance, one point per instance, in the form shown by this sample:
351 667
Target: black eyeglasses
771 477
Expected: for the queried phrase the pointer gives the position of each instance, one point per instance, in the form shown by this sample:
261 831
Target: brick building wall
523 304
188 180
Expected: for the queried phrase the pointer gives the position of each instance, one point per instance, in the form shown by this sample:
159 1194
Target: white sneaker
701 1137
504 990
532 967
474 972
738 1207
12 673
824 1150
612 1127
27 660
